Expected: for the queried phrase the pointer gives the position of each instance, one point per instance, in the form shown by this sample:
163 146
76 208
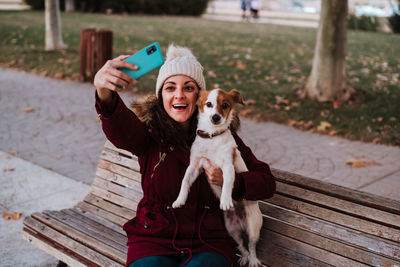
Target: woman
160 132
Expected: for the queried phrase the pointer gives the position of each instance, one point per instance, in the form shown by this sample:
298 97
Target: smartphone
147 59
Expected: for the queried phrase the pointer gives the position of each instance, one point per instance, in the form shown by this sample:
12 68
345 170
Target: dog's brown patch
201 101
224 98
234 155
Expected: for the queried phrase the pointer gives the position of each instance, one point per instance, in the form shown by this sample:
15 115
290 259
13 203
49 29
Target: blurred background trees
163 7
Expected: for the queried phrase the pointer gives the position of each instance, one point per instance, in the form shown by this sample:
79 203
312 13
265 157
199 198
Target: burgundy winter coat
198 226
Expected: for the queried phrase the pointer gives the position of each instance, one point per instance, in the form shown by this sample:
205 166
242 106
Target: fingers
109 76
122 75
117 63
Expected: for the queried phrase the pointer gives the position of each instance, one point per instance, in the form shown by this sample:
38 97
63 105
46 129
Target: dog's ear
201 98
236 96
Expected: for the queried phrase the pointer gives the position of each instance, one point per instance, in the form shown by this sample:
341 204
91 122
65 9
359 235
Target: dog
214 141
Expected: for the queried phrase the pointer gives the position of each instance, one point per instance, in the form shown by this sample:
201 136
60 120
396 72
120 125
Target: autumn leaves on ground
267 63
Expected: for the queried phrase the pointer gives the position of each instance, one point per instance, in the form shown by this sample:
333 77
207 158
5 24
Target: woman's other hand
214 173
109 77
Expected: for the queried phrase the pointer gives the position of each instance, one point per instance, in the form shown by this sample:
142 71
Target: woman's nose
179 93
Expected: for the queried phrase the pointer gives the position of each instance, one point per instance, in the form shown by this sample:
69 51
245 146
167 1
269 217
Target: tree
53 26
69 5
327 81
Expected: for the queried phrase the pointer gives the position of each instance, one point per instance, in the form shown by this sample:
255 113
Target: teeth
179 106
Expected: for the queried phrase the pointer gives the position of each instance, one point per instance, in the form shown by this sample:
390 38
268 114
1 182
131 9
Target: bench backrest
307 222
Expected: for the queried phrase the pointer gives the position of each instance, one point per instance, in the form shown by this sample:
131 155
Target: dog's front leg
190 176
228 173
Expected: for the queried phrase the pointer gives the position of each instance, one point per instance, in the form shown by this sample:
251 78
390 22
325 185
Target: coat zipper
162 157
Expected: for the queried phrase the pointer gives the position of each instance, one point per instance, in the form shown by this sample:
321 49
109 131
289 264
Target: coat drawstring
174 237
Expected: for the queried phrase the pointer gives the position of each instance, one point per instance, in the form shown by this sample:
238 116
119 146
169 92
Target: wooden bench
307 222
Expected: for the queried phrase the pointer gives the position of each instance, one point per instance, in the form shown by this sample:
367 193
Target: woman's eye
189 88
225 106
169 88
209 104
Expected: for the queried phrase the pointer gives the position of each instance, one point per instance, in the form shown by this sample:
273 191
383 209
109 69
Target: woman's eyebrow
170 82
189 82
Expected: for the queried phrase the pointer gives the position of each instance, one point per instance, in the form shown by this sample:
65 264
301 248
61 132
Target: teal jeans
198 260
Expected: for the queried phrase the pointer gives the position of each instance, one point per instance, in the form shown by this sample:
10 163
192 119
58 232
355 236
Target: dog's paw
226 204
254 262
243 260
178 203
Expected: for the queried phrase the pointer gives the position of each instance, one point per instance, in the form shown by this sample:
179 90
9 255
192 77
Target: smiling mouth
180 107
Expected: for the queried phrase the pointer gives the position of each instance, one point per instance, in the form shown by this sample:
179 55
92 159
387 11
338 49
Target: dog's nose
216 118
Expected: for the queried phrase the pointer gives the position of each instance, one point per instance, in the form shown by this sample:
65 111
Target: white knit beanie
180 60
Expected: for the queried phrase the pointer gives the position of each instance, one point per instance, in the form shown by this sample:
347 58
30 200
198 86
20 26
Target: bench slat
301 253
56 251
67 242
340 205
115 168
122 191
270 254
355 196
119 179
339 240
108 206
335 217
120 159
100 220
102 213
112 197
110 146
82 234
91 228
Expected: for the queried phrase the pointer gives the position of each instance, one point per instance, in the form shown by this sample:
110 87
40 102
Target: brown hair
152 112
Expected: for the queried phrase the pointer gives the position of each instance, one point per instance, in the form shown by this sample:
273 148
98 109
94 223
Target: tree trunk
69 5
53 26
327 81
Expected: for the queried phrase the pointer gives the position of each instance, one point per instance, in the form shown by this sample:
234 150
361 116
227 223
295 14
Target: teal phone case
148 59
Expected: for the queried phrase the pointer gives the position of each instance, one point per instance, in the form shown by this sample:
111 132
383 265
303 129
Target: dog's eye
209 104
225 105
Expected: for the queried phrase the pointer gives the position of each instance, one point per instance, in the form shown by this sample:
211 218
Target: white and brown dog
215 142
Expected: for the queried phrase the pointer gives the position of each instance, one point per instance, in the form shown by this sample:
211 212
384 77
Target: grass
266 62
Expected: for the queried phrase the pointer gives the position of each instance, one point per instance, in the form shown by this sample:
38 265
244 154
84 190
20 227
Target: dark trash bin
96 49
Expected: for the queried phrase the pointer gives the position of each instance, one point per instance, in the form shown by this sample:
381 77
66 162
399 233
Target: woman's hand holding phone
110 78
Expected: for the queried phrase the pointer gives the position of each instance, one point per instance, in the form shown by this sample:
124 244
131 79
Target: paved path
27 189
62 134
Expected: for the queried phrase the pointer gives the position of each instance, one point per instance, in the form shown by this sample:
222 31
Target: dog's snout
216 118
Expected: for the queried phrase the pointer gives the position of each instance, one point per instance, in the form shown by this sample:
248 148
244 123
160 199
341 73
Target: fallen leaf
250 102
241 66
245 112
308 125
9 169
323 125
281 100
12 216
232 63
356 163
376 140
13 153
28 110
361 163
336 104
59 75
292 123
211 74
325 113
332 133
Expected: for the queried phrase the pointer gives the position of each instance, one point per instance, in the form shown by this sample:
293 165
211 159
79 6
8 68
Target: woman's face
179 94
